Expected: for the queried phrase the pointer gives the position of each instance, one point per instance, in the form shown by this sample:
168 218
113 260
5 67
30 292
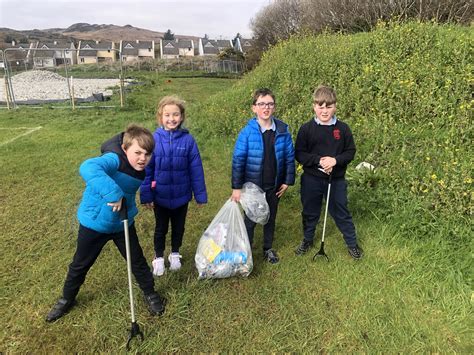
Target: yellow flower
433 177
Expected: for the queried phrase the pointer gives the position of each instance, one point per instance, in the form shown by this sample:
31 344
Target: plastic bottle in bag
231 257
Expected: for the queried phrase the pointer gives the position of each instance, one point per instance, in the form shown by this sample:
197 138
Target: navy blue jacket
175 171
247 161
108 178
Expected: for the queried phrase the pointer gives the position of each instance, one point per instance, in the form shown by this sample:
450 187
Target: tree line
283 18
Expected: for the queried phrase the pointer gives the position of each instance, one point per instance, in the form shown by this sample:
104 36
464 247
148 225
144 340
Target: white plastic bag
254 203
224 248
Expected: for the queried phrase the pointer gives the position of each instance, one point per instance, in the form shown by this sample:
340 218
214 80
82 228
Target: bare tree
283 18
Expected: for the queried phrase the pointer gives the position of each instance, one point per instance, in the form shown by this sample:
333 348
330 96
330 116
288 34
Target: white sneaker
175 263
158 266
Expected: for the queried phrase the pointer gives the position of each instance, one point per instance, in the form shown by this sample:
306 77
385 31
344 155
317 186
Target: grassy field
406 295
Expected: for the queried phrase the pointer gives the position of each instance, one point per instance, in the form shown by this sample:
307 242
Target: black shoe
155 304
271 256
356 252
303 247
61 307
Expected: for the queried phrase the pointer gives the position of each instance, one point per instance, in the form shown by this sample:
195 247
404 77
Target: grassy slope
406 295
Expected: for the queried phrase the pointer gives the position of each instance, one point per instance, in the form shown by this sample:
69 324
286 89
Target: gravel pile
46 85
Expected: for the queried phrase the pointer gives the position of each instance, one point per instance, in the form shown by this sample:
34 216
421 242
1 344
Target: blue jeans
313 189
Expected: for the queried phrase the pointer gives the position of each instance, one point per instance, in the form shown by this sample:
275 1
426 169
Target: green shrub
406 92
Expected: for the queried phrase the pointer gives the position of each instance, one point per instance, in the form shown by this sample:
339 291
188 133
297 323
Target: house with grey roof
179 47
243 44
169 49
52 54
137 50
186 47
210 47
18 55
92 52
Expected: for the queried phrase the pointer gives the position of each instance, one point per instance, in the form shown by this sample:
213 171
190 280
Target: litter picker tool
321 252
135 328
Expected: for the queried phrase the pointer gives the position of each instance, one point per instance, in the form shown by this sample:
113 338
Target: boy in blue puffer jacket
174 174
264 155
115 175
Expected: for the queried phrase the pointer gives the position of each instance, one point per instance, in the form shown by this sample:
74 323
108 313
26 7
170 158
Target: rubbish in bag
254 203
224 248
238 257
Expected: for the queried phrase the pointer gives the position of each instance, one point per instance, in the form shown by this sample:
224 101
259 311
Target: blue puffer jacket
247 161
108 178
175 171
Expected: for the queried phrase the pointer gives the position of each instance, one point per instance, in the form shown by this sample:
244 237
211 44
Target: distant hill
82 31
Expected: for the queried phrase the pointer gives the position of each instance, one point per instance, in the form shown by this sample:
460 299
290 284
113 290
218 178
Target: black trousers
313 189
89 246
163 216
269 228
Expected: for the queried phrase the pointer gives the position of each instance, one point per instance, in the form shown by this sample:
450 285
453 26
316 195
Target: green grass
406 295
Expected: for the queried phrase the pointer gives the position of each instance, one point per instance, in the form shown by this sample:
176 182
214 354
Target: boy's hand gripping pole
135 328
321 252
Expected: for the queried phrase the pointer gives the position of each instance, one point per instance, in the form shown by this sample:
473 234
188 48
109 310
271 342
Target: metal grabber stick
321 250
135 328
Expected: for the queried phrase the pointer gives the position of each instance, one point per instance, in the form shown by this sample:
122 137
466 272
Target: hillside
405 91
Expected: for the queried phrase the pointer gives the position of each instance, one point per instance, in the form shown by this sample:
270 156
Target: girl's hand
200 205
149 206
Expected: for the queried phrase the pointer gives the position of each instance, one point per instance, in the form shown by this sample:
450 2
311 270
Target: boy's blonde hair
324 95
142 135
171 100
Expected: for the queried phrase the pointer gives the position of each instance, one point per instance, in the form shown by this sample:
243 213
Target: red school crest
337 134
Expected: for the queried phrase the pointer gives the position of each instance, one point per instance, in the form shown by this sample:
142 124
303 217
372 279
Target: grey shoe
356 252
271 256
155 303
303 247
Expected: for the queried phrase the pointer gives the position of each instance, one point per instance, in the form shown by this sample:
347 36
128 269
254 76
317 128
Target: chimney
96 42
138 41
55 42
13 42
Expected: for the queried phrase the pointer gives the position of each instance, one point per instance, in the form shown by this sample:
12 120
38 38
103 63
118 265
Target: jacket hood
114 145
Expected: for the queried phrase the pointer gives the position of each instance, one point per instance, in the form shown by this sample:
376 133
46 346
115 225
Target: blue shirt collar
272 127
332 122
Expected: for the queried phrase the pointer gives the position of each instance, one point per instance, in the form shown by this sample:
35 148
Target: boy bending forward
118 173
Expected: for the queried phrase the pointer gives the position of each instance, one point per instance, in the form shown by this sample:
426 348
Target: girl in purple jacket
173 175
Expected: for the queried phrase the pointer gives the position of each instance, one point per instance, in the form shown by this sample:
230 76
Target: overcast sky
217 18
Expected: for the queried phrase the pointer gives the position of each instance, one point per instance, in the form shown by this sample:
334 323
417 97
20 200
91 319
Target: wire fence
85 78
